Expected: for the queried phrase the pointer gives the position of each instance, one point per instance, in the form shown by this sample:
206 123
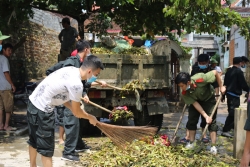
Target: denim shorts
41 130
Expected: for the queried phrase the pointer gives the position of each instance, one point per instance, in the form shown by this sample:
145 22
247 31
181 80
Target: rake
177 127
121 135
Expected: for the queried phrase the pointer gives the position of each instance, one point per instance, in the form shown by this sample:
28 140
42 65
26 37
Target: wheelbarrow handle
98 106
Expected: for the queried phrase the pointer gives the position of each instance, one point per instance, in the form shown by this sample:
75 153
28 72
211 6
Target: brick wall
231 52
37 54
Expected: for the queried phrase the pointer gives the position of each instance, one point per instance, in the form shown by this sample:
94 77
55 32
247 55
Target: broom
121 135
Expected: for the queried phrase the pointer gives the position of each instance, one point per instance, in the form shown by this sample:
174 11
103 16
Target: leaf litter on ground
140 153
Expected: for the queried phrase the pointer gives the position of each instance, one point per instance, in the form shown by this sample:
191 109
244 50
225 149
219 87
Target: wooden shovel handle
212 114
114 87
177 127
96 105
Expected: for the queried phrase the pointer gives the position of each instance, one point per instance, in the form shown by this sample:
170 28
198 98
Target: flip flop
205 140
11 128
184 140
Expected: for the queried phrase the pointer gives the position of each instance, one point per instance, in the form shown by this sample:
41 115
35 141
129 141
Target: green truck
120 70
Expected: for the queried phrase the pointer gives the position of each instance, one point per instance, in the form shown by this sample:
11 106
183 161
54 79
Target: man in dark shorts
199 93
63 86
202 66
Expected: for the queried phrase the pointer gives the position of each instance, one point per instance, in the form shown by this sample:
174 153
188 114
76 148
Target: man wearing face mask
235 82
244 61
198 92
202 66
63 86
73 142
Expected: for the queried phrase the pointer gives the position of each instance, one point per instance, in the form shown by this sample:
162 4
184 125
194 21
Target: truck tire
144 119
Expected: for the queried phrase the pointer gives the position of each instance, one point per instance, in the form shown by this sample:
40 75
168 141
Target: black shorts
60 115
41 130
193 116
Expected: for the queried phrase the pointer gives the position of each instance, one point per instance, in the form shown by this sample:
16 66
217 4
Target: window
236 45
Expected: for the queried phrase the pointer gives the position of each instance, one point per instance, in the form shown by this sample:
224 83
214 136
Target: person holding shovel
202 67
63 86
199 93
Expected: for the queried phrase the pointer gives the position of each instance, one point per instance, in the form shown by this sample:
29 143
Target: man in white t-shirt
6 88
63 86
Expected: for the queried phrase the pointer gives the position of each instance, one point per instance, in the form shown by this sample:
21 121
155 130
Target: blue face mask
92 79
244 66
202 66
188 87
1 47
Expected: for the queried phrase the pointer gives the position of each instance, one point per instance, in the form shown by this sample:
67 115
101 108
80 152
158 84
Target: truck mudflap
157 105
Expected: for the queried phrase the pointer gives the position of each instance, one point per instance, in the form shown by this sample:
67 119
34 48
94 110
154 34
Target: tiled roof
205 44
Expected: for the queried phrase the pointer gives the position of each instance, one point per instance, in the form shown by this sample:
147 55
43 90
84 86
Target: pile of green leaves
139 154
120 114
132 86
130 51
101 50
134 51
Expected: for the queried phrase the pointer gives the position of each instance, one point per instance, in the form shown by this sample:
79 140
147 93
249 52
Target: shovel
177 127
198 149
137 95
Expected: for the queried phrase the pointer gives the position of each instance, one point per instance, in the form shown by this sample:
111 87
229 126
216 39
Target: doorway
173 93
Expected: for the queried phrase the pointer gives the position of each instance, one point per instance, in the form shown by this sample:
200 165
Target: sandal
184 140
205 140
9 128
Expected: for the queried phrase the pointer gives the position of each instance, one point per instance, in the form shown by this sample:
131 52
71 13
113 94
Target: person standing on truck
198 92
67 37
202 66
63 86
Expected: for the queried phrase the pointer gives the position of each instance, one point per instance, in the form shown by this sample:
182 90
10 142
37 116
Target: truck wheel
144 119
157 120
88 129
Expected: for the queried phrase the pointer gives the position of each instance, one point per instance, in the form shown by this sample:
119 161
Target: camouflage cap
213 61
2 37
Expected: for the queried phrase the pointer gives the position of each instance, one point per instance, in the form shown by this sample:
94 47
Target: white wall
239 45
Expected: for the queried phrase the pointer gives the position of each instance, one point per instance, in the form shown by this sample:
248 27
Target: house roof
205 44
243 11
222 2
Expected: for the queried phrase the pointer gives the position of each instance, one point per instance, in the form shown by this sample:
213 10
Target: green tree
162 16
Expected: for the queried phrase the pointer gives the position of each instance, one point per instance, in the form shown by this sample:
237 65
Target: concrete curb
22 131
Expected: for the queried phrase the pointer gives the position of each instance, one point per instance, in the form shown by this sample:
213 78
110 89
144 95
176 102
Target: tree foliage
161 16
135 17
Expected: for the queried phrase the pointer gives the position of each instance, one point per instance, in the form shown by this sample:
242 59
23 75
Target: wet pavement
14 149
